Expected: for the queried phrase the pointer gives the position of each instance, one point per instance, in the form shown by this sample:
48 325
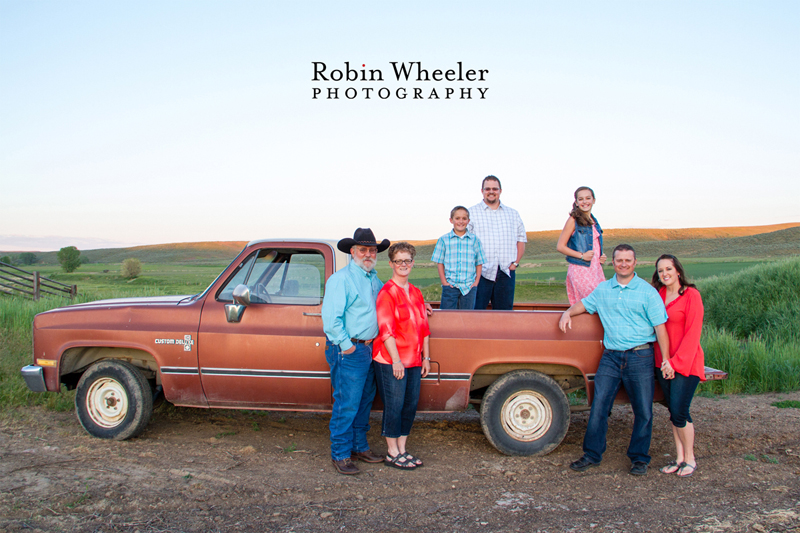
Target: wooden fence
18 282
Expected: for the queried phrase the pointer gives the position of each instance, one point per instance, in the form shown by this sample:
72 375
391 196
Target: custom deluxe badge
186 341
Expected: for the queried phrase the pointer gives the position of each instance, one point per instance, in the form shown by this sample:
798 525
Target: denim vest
581 241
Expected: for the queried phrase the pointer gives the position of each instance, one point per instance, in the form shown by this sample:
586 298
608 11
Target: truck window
280 276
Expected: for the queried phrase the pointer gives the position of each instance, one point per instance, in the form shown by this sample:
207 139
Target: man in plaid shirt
502 234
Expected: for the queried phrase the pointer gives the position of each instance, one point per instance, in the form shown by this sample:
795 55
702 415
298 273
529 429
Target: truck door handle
438 372
312 314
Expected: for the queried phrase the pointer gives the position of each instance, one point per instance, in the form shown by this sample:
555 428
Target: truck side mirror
241 297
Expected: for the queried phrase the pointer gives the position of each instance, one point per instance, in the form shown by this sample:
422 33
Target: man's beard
364 267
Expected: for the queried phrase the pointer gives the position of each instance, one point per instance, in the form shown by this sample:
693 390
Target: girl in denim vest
581 241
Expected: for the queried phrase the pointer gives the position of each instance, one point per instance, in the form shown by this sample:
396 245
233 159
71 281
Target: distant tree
27 258
85 259
5 259
131 268
70 258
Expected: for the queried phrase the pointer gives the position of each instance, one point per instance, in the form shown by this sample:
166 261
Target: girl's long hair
581 218
678 268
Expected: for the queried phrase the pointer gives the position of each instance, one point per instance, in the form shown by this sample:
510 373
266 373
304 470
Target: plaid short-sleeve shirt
460 257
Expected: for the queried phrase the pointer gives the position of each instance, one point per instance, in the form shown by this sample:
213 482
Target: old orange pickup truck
253 340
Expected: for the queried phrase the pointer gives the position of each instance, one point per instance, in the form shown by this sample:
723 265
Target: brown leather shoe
367 457
346 467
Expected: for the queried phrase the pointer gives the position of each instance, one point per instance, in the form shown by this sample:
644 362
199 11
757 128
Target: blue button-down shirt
629 314
348 309
460 257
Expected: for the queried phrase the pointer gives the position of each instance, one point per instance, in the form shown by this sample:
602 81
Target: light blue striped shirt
348 308
628 313
460 256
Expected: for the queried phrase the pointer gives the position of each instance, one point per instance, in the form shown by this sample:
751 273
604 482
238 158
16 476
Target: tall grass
16 319
752 328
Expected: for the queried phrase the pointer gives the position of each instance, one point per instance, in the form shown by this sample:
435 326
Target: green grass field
105 279
752 327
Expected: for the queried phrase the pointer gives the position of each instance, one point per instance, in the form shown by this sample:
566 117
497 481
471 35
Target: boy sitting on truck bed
459 255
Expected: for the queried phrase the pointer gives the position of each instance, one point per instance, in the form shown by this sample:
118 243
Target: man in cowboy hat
350 322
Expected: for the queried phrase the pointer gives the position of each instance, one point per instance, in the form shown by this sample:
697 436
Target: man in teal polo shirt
633 317
350 322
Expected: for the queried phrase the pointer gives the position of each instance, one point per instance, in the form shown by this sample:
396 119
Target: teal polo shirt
629 314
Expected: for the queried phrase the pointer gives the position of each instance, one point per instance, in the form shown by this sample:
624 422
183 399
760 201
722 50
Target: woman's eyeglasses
399 262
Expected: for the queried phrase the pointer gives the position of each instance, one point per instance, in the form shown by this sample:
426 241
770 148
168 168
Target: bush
70 258
5 259
27 258
131 268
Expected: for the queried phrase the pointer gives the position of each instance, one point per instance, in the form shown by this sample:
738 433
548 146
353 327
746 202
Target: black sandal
687 467
399 461
671 464
416 461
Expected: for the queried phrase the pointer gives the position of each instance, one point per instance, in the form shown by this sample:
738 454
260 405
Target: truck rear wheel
525 413
113 400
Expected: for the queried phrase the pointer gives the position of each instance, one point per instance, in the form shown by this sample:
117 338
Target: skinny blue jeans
400 398
678 392
353 380
635 371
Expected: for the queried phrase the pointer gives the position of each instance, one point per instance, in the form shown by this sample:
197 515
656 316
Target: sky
126 123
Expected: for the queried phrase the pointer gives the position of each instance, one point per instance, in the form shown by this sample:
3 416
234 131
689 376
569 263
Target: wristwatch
515 264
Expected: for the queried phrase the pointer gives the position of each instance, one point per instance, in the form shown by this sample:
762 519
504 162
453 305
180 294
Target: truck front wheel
525 413
113 400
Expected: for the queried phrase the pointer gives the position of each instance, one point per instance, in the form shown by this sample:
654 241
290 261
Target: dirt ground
202 470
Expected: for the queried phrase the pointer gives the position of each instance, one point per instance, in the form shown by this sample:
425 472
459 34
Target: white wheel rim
526 415
107 402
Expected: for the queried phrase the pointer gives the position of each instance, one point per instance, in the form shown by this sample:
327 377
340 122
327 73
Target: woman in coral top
680 371
401 355
581 241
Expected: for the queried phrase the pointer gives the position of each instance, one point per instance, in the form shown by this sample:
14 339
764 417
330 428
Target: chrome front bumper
34 378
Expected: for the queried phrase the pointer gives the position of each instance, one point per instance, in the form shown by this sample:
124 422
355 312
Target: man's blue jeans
353 381
453 299
634 370
499 292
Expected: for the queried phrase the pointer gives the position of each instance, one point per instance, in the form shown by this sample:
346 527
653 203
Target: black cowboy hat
362 237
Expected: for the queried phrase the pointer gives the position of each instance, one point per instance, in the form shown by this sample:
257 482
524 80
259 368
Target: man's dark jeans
634 370
453 299
499 292
353 380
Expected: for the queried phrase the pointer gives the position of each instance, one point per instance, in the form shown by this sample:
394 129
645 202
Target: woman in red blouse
680 371
401 355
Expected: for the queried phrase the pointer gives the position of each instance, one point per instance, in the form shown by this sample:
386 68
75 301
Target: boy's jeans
453 299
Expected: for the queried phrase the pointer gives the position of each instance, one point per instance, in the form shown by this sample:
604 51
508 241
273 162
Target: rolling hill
778 240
